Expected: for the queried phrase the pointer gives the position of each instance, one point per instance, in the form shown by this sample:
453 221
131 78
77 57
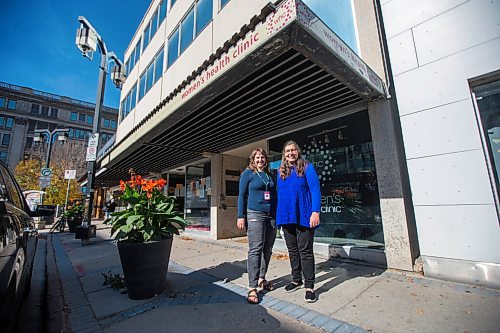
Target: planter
145 267
73 223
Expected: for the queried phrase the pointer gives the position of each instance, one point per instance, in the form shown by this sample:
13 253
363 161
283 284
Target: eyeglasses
293 150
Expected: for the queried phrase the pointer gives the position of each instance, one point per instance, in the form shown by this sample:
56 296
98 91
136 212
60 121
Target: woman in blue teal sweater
257 212
298 210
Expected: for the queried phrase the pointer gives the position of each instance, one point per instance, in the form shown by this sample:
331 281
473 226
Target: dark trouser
299 241
261 234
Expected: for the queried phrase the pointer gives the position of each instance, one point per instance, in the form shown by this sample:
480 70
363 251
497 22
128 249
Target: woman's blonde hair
285 168
252 166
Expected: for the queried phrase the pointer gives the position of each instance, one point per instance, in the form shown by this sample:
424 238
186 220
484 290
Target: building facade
23 110
395 103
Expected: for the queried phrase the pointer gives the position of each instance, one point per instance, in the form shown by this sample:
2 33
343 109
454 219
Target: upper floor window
113 123
73 116
154 23
196 19
12 104
134 57
3 156
172 3
35 108
82 117
45 110
223 3
2 102
5 139
54 112
90 119
7 122
151 75
128 104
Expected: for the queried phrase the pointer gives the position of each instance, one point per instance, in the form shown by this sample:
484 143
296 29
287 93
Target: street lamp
88 41
62 136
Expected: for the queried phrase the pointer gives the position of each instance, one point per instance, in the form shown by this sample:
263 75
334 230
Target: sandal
253 296
266 285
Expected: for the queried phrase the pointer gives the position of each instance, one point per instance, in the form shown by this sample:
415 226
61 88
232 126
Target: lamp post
62 136
89 41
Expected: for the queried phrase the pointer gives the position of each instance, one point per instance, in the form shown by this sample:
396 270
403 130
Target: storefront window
198 189
341 151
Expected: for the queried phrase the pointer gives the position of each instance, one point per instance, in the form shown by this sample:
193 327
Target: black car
18 240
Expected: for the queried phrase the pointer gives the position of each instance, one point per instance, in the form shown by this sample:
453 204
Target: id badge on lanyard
267 195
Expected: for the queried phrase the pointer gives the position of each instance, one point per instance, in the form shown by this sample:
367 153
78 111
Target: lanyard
268 179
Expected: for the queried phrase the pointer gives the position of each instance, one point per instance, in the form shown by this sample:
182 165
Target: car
18 241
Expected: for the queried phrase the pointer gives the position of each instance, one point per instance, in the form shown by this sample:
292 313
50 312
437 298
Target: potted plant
144 232
74 216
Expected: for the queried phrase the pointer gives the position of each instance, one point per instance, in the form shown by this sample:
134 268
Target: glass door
198 191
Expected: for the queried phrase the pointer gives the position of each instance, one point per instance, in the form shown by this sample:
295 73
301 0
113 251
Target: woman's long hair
285 168
252 166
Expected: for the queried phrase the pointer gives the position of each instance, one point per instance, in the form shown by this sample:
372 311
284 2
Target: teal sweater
251 193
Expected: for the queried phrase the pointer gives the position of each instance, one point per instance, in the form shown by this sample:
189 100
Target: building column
400 237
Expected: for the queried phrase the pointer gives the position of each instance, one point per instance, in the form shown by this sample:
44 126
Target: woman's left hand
314 219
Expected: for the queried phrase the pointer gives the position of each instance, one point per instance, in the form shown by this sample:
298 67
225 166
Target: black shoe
292 286
310 296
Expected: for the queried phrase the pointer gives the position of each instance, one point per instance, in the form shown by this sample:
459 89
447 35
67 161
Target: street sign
69 174
46 172
44 182
94 140
91 154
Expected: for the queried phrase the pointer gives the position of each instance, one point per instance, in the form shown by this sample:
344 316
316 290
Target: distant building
396 104
22 110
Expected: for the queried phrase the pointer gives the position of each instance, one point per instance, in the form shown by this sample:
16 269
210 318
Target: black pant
299 241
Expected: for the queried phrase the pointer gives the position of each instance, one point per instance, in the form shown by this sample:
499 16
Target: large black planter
145 267
73 223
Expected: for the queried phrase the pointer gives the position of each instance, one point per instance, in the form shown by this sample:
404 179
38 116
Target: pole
101 84
47 158
67 195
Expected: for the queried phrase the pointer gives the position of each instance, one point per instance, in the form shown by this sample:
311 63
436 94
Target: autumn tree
70 156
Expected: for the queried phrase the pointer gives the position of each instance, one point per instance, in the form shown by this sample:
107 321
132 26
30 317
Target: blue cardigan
298 197
251 193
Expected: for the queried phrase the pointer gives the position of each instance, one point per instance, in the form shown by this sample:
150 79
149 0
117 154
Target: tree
70 156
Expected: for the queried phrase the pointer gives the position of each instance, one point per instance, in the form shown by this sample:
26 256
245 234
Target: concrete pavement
206 293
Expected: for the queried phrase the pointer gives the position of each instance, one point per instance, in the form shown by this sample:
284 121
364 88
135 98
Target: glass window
73 116
31 125
52 127
42 125
147 32
172 2
137 52
2 121
35 108
3 156
71 133
2 102
150 77
133 95
45 110
163 11
82 117
54 112
159 65
127 66
106 122
9 122
187 30
488 102
142 86
341 152
223 3
113 122
5 139
154 24
203 14
173 48
90 119
12 104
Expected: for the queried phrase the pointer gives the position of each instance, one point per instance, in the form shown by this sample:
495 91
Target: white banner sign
69 174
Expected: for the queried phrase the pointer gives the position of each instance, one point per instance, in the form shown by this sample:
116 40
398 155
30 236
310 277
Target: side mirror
43 210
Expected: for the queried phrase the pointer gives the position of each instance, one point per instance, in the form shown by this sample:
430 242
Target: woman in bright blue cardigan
299 204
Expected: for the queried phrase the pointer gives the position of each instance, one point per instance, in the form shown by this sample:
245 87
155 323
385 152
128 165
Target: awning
283 68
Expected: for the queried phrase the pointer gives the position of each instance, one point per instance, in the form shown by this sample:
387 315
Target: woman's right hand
241 223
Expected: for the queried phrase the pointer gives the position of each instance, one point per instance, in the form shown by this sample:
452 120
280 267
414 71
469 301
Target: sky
38 49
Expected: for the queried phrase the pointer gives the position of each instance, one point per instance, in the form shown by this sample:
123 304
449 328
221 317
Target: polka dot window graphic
281 17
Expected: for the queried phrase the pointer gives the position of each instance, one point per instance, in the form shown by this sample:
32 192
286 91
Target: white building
400 120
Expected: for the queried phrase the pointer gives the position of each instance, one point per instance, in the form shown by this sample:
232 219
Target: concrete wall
435 47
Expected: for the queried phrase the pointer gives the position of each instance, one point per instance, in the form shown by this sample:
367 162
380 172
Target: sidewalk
206 293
